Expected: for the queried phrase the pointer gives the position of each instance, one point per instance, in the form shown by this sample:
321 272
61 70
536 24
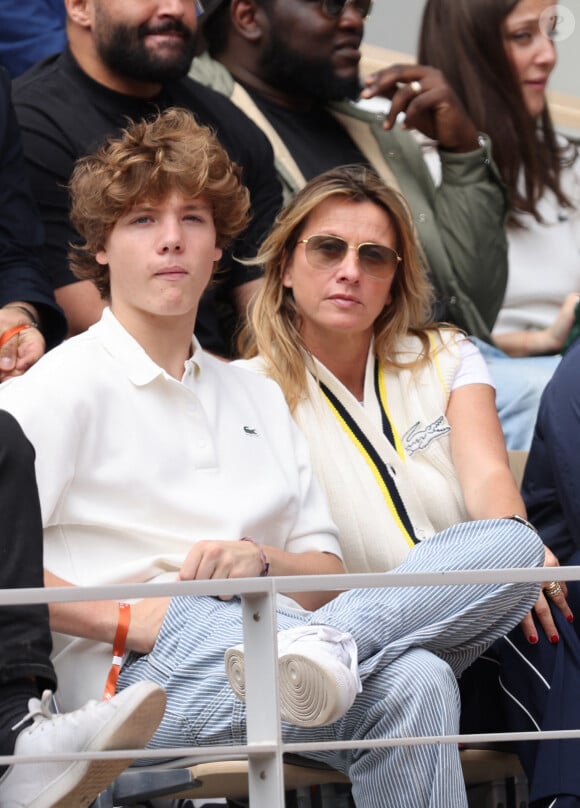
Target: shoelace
37 707
344 641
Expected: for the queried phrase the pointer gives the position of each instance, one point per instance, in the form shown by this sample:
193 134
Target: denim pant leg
519 384
414 695
412 643
188 662
24 630
411 696
456 623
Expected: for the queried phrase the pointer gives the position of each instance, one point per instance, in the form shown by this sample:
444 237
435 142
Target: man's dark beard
314 78
124 52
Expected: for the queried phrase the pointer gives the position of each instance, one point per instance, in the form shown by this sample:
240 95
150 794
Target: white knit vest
373 537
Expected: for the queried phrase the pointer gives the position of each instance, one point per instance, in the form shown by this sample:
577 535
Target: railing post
266 774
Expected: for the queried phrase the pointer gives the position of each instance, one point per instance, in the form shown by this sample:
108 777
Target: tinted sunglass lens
334 8
326 251
376 259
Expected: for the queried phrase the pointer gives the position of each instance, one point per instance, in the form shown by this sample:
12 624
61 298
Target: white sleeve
472 367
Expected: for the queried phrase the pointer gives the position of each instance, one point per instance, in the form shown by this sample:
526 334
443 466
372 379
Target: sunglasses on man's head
328 252
334 8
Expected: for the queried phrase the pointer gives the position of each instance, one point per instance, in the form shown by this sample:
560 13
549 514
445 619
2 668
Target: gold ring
553 589
416 87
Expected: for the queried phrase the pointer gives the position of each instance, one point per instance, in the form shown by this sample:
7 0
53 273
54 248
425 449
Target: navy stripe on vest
376 460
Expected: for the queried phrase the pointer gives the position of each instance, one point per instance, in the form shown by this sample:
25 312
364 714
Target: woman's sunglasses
328 252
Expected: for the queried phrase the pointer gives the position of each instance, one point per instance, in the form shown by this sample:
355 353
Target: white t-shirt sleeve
472 367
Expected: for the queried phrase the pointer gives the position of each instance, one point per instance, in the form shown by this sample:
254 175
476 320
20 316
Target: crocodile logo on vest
419 437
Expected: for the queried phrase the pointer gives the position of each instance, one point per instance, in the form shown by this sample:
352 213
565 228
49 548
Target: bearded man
126 59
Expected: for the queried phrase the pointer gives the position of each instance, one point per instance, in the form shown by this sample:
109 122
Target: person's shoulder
448 336
204 101
49 100
248 373
39 78
63 114
436 343
211 108
256 364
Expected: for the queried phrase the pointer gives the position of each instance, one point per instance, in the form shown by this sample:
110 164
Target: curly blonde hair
273 329
149 160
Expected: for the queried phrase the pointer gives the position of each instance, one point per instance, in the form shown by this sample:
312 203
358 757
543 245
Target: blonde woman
399 412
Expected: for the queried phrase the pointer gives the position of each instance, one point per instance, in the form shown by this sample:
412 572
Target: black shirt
64 115
22 274
316 141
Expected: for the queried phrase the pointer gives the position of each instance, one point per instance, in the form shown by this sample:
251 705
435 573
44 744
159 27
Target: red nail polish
570 618
533 639
554 638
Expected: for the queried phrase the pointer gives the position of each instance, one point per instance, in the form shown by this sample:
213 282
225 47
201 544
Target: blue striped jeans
413 643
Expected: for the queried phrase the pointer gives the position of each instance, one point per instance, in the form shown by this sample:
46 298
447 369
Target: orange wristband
118 650
11 332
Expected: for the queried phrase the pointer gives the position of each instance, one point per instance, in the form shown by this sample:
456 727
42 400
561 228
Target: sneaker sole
235 669
309 695
131 727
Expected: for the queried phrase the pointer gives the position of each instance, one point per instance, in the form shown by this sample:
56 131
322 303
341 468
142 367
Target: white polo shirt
134 466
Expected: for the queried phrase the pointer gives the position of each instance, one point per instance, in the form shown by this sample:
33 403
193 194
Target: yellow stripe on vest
383 479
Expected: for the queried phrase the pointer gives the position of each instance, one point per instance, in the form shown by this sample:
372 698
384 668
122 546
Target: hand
146 620
23 349
542 607
221 559
435 110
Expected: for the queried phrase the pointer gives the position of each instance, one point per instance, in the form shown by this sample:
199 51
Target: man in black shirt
30 319
126 61
293 66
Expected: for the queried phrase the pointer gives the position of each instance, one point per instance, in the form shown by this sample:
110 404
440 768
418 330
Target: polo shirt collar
140 368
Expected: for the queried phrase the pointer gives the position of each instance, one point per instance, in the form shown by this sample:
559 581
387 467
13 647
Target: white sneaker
127 721
318 674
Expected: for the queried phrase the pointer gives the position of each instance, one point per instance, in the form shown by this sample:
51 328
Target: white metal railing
265 748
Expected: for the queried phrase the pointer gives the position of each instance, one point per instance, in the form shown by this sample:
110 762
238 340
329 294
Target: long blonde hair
273 328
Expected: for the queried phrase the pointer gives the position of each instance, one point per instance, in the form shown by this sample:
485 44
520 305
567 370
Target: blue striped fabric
412 643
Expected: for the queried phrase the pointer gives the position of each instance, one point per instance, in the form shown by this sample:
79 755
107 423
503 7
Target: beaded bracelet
263 559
